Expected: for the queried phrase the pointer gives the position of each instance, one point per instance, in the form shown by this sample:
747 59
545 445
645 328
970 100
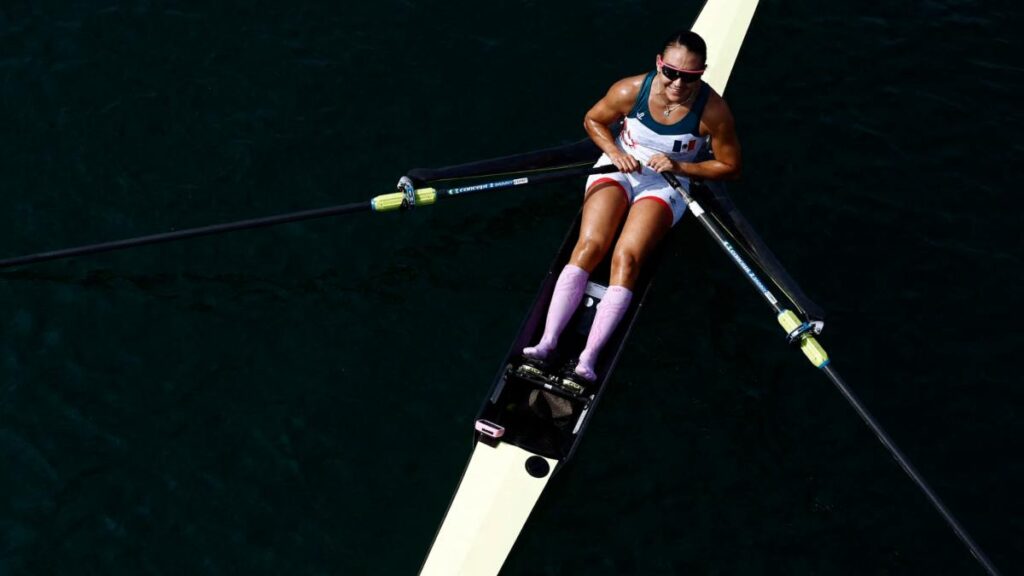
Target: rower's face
680 58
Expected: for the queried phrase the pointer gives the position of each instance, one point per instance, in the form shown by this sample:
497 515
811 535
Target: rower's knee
589 252
625 266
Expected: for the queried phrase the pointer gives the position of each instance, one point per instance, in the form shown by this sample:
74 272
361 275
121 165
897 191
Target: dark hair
689 40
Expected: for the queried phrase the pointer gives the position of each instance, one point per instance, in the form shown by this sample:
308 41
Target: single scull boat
533 419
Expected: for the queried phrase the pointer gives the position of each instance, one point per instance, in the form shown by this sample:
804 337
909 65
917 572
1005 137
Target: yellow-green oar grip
789 320
393 201
808 343
814 352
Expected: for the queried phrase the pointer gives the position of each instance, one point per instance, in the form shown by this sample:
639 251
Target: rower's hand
624 162
661 163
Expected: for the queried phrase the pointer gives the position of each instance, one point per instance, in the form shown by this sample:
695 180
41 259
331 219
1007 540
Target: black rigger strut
802 334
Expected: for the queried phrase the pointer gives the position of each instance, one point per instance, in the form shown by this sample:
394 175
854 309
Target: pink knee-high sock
609 312
567 295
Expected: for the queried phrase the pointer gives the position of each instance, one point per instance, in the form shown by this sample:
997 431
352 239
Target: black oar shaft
912 472
386 202
188 233
538 178
719 237
825 366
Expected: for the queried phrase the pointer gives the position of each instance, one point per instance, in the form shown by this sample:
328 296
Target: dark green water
299 400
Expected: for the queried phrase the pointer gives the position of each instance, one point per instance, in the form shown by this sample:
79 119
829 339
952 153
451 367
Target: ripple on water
29 484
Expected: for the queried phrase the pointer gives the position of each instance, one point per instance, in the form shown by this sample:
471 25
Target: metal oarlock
797 333
408 192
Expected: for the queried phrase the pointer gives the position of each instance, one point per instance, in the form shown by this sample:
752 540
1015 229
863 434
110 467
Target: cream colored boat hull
494 499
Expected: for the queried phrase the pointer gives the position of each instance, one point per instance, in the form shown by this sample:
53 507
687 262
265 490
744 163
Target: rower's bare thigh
603 210
646 225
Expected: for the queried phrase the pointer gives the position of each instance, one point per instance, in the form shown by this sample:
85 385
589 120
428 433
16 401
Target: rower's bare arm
609 110
725 145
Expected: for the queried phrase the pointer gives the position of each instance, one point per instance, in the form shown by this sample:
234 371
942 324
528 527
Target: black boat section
542 408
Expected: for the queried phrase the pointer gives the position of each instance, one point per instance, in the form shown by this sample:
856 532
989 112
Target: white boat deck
495 497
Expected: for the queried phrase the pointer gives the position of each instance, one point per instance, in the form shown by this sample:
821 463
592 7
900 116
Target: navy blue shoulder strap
698 106
641 99
690 124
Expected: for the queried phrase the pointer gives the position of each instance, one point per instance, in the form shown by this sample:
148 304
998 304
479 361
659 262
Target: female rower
670 114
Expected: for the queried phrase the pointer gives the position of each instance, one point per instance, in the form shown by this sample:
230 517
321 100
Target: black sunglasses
688 76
